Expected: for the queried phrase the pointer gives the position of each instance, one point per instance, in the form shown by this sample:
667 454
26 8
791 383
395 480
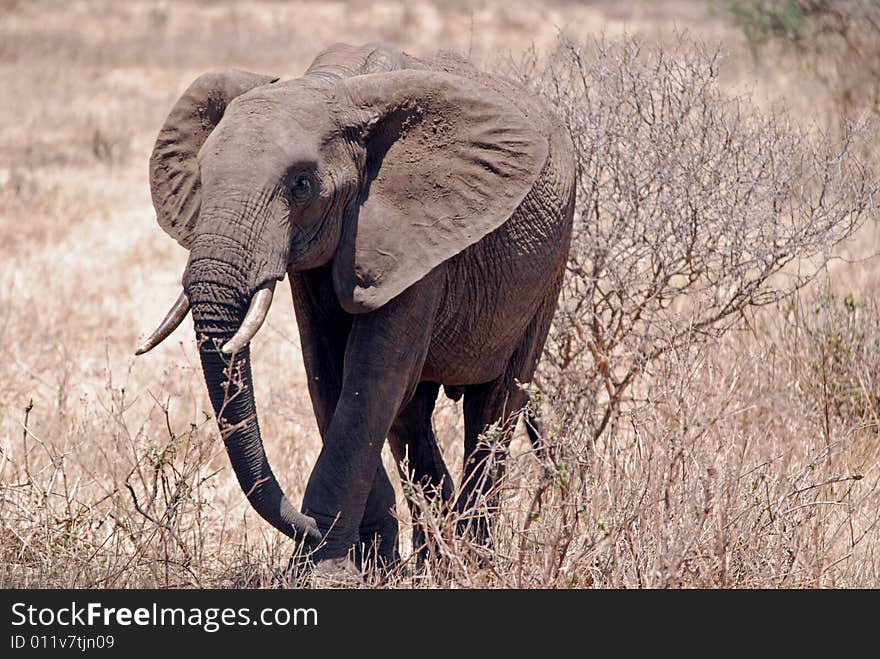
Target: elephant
422 210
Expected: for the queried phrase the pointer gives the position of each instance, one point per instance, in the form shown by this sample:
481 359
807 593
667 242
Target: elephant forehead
261 132
295 103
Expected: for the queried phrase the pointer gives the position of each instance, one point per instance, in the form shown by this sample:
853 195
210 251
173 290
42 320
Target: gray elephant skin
422 211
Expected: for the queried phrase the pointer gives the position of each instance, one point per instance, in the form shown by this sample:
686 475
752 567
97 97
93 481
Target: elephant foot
474 529
377 552
374 554
424 551
336 573
476 538
308 571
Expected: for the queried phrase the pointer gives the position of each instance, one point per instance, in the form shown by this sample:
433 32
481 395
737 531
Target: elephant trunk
218 310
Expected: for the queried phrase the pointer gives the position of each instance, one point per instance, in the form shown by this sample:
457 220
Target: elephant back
342 60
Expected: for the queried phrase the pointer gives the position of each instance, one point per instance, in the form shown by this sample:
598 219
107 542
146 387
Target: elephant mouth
253 319
250 325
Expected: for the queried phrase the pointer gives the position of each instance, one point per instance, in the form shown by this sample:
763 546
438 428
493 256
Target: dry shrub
727 471
679 449
120 495
693 208
132 515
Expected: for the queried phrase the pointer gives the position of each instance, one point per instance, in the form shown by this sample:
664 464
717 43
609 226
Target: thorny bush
663 463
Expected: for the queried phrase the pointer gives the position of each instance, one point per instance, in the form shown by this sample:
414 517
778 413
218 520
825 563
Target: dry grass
736 468
749 461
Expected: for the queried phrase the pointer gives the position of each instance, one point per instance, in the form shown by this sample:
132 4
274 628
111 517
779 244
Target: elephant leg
324 328
500 402
384 357
418 456
378 529
497 402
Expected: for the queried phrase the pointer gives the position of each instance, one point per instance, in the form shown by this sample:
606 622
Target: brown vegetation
692 438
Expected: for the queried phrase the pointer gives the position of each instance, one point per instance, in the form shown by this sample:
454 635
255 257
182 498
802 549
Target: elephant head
381 176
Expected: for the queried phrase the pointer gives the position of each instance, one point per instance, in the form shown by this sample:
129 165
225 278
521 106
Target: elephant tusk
254 318
169 324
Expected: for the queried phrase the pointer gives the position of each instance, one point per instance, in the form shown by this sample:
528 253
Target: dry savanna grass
710 394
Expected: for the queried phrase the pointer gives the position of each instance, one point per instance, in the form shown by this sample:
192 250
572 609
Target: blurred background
111 472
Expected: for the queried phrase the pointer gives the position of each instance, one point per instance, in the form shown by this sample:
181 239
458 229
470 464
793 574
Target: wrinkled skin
422 211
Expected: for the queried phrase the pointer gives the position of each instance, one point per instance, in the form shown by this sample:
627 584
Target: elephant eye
302 187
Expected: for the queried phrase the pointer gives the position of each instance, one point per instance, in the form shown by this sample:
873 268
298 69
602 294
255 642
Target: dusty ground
85 270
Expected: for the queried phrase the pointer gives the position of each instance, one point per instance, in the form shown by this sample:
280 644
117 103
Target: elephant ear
174 169
448 161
